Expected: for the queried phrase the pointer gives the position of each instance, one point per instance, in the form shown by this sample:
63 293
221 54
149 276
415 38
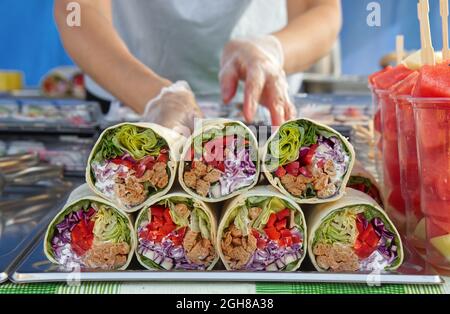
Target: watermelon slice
405 86
376 74
391 77
434 81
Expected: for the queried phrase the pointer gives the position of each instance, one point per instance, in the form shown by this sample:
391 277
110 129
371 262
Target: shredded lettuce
339 227
242 221
274 205
110 227
286 147
291 137
138 142
200 223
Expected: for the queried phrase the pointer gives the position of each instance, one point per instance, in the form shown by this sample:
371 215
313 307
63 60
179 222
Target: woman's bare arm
100 52
311 32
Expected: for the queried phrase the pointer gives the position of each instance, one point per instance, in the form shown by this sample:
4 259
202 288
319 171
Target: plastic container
409 172
377 133
432 122
394 202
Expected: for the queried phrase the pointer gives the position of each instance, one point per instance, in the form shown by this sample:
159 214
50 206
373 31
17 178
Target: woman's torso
183 40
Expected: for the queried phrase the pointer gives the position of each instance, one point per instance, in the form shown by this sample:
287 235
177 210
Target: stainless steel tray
23 212
36 268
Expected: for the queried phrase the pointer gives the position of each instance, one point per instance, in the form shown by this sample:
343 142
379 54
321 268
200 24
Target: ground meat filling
237 248
198 250
131 190
107 255
337 257
320 180
200 177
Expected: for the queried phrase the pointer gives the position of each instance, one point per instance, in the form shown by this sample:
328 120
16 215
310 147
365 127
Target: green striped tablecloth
220 288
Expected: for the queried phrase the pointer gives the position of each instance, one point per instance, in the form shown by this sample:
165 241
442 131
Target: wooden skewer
422 33
400 48
424 9
444 15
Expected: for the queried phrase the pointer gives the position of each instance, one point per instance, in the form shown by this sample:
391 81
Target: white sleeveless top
183 40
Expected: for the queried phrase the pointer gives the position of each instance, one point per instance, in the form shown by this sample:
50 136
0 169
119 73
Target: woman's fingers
254 85
229 80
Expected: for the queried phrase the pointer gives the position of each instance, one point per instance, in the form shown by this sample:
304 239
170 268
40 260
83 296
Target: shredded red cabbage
63 229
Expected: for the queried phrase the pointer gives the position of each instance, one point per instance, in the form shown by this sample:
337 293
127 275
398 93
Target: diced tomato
220 166
256 234
296 239
157 211
358 244
168 228
366 233
280 172
372 239
271 221
152 235
164 158
82 237
321 163
283 214
272 233
286 241
178 237
293 168
167 217
261 243
364 251
281 224
304 171
123 162
285 233
360 226
154 226
367 240
307 160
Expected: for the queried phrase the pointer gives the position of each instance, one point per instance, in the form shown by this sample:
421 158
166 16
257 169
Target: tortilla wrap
244 199
174 142
251 180
80 195
359 173
275 181
149 252
353 199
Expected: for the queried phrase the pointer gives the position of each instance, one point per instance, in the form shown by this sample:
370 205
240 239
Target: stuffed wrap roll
308 161
363 181
131 164
262 230
219 161
353 234
90 232
177 232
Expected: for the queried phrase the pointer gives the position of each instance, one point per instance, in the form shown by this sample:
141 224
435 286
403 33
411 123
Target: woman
141 52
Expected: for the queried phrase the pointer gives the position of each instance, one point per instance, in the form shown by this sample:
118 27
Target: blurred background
27 28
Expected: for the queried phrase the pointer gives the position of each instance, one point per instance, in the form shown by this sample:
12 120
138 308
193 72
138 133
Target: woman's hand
259 63
175 108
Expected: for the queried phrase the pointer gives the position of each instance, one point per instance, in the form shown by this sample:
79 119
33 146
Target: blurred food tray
49 115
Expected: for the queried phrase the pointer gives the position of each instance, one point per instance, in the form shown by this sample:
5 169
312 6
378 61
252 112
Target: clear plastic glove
175 108
258 62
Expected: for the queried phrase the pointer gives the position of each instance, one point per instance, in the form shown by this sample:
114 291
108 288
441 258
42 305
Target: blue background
29 40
